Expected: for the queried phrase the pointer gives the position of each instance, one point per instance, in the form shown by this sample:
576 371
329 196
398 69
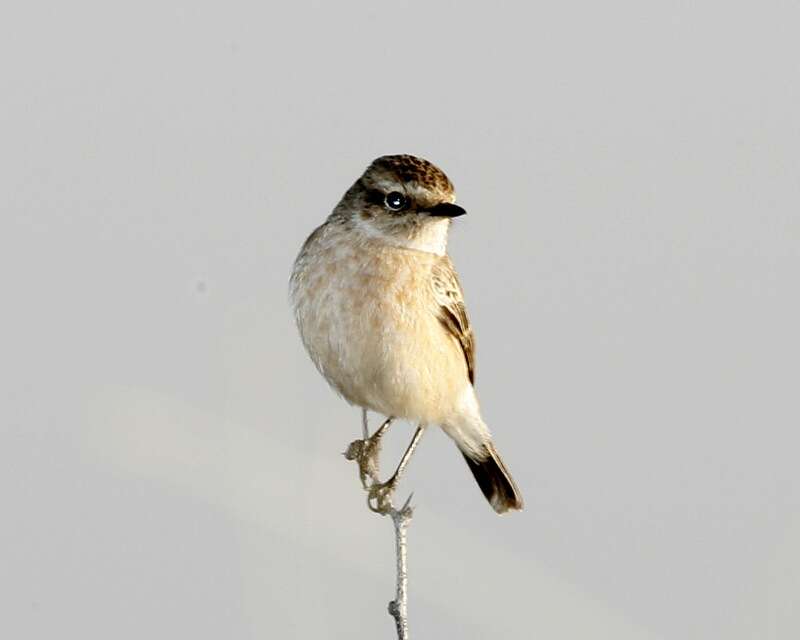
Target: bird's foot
379 496
366 453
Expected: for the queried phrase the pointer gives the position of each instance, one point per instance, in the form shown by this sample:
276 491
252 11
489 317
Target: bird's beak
446 210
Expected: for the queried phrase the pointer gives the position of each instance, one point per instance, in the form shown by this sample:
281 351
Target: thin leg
364 423
407 455
382 492
377 435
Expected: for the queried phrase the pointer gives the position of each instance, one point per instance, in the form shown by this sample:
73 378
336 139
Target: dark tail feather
495 481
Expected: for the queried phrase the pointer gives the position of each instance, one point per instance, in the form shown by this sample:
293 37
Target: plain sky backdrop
169 458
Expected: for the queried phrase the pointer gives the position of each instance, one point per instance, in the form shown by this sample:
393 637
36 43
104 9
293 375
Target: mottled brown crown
411 169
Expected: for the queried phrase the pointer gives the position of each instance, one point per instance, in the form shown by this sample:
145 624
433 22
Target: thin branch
366 453
398 608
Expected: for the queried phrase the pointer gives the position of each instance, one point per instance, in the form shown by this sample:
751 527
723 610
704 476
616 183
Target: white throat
431 237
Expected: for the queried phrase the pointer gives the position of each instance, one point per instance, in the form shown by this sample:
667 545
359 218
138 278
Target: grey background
169 464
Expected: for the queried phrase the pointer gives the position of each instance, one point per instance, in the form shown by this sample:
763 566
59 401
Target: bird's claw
379 496
366 453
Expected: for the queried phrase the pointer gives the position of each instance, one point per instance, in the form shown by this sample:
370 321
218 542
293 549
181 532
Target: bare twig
398 608
367 452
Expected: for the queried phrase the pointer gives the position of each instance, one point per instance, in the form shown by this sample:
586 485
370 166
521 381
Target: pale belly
371 326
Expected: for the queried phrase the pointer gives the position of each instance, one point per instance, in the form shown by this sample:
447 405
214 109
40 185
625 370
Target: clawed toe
379 497
366 453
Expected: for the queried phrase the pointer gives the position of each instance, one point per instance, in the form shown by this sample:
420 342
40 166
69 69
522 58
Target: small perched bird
381 311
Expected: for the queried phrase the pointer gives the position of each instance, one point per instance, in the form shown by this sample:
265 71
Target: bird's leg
367 451
364 423
381 492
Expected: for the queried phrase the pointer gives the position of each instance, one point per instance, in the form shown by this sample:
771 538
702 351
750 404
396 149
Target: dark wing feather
452 312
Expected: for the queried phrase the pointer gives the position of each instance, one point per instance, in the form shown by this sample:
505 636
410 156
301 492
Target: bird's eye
396 201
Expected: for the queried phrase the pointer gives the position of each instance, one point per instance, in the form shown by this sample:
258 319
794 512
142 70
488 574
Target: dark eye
396 201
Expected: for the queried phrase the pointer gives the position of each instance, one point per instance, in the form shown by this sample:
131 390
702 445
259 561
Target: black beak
446 210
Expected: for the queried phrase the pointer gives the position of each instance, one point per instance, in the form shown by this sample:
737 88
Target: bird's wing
451 310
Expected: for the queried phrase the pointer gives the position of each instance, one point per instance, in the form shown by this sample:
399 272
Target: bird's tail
494 480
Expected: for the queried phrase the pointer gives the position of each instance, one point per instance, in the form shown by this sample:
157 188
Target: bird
381 312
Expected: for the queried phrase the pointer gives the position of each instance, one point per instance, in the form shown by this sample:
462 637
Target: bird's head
403 200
